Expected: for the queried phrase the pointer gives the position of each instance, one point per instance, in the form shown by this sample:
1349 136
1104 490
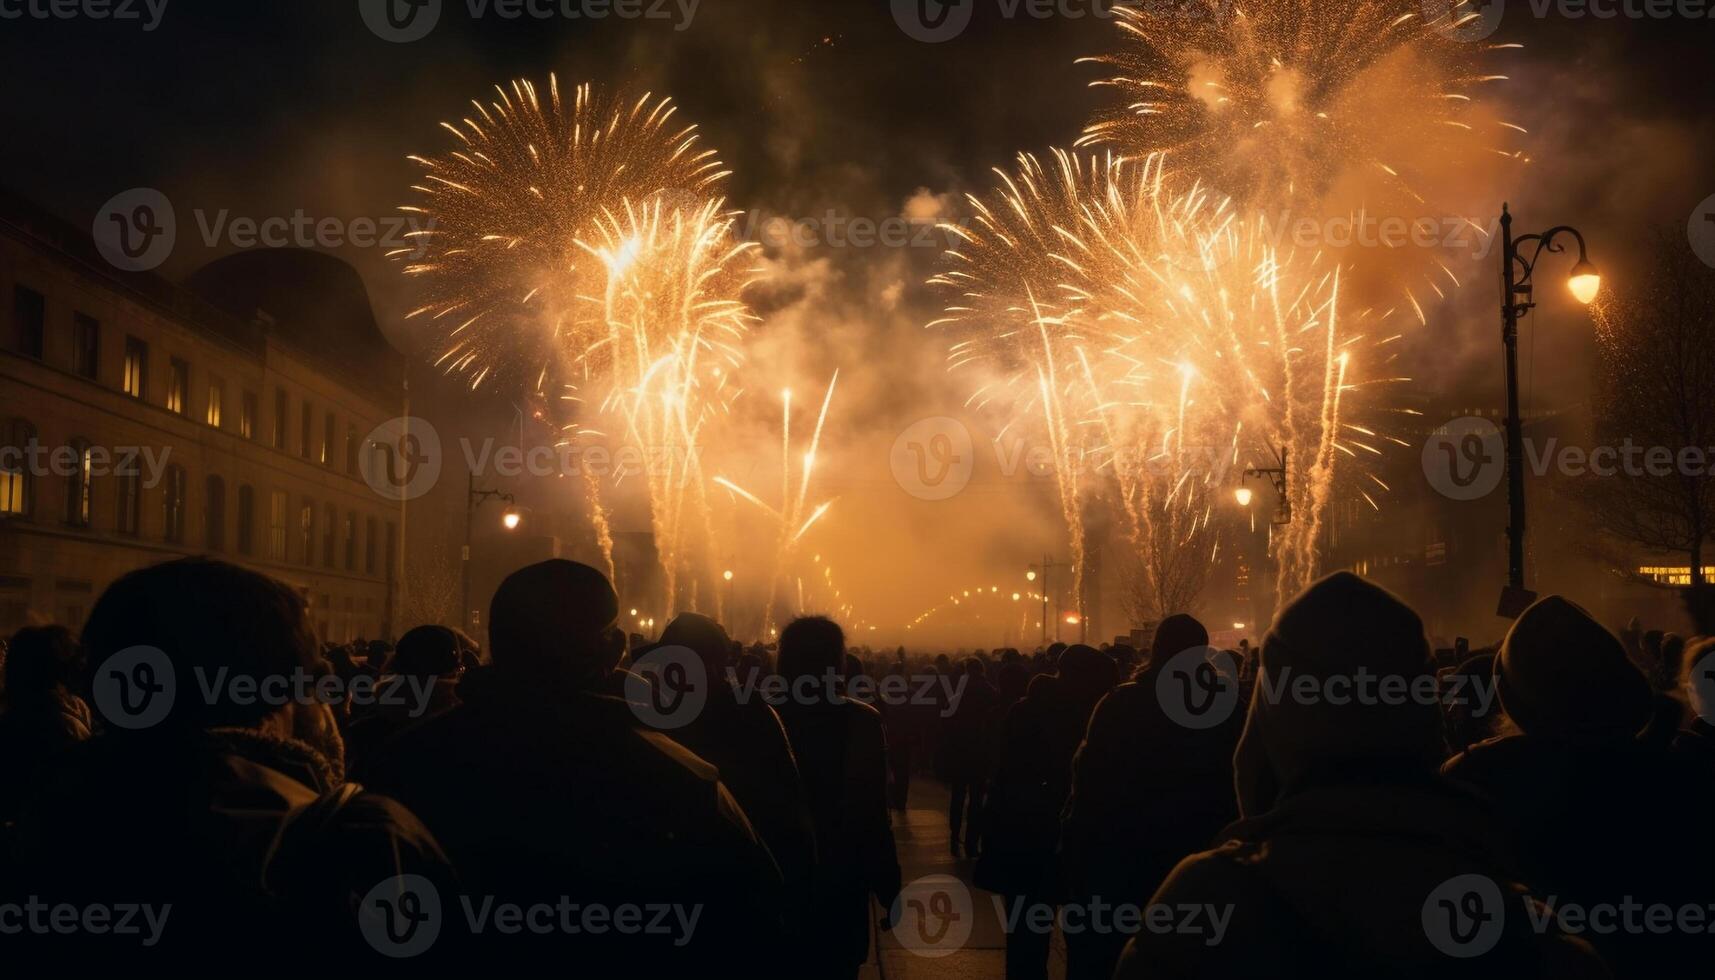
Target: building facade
140 422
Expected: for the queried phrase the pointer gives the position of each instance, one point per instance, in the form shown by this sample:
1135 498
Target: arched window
214 514
173 504
78 483
17 446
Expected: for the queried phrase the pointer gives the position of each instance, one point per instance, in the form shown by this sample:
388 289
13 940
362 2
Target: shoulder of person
678 757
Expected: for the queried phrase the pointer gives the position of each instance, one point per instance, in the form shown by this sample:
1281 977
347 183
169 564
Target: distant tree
1656 388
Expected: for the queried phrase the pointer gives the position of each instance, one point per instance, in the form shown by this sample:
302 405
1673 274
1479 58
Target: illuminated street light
1243 496
727 575
1517 299
511 518
1030 576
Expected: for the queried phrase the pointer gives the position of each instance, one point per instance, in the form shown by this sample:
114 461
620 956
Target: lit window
216 395
136 366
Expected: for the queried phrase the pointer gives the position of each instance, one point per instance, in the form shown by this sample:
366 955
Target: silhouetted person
199 795
905 735
842 756
546 791
965 741
1021 822
419 681
1147 791
1583 789
746 742
1346 832
41 718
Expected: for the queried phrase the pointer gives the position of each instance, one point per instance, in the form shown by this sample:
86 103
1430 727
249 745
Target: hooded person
743 738
1134 813
548 792
1582 788
1349 846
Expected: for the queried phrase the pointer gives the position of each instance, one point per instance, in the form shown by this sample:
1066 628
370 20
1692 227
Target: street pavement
948 930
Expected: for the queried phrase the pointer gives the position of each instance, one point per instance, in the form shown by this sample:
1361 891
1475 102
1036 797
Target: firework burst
500 262
1360 124
672 325
575 251
1159 342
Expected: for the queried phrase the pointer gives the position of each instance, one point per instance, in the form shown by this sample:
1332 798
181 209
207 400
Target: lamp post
509 519
1048 564
1517 299
1277 476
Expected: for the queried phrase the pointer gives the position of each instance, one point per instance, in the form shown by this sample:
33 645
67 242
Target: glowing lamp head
1585 281
1030 576
1015 597
1071 619
727 575
1243 496
511 519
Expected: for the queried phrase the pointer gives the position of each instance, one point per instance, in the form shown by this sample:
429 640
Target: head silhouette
555 622
1330 631
1176 634
810 646
1560 672
703 637
210 619
426 651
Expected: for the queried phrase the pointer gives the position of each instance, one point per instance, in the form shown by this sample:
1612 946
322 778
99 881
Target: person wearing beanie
1345 829
544 789
1582 788
1135 810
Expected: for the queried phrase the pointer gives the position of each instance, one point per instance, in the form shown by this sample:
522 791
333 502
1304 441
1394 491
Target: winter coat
1584 817
260 857
841 748
563 797
1343 879
1146 793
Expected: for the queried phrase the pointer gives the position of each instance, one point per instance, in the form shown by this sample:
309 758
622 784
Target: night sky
267 108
